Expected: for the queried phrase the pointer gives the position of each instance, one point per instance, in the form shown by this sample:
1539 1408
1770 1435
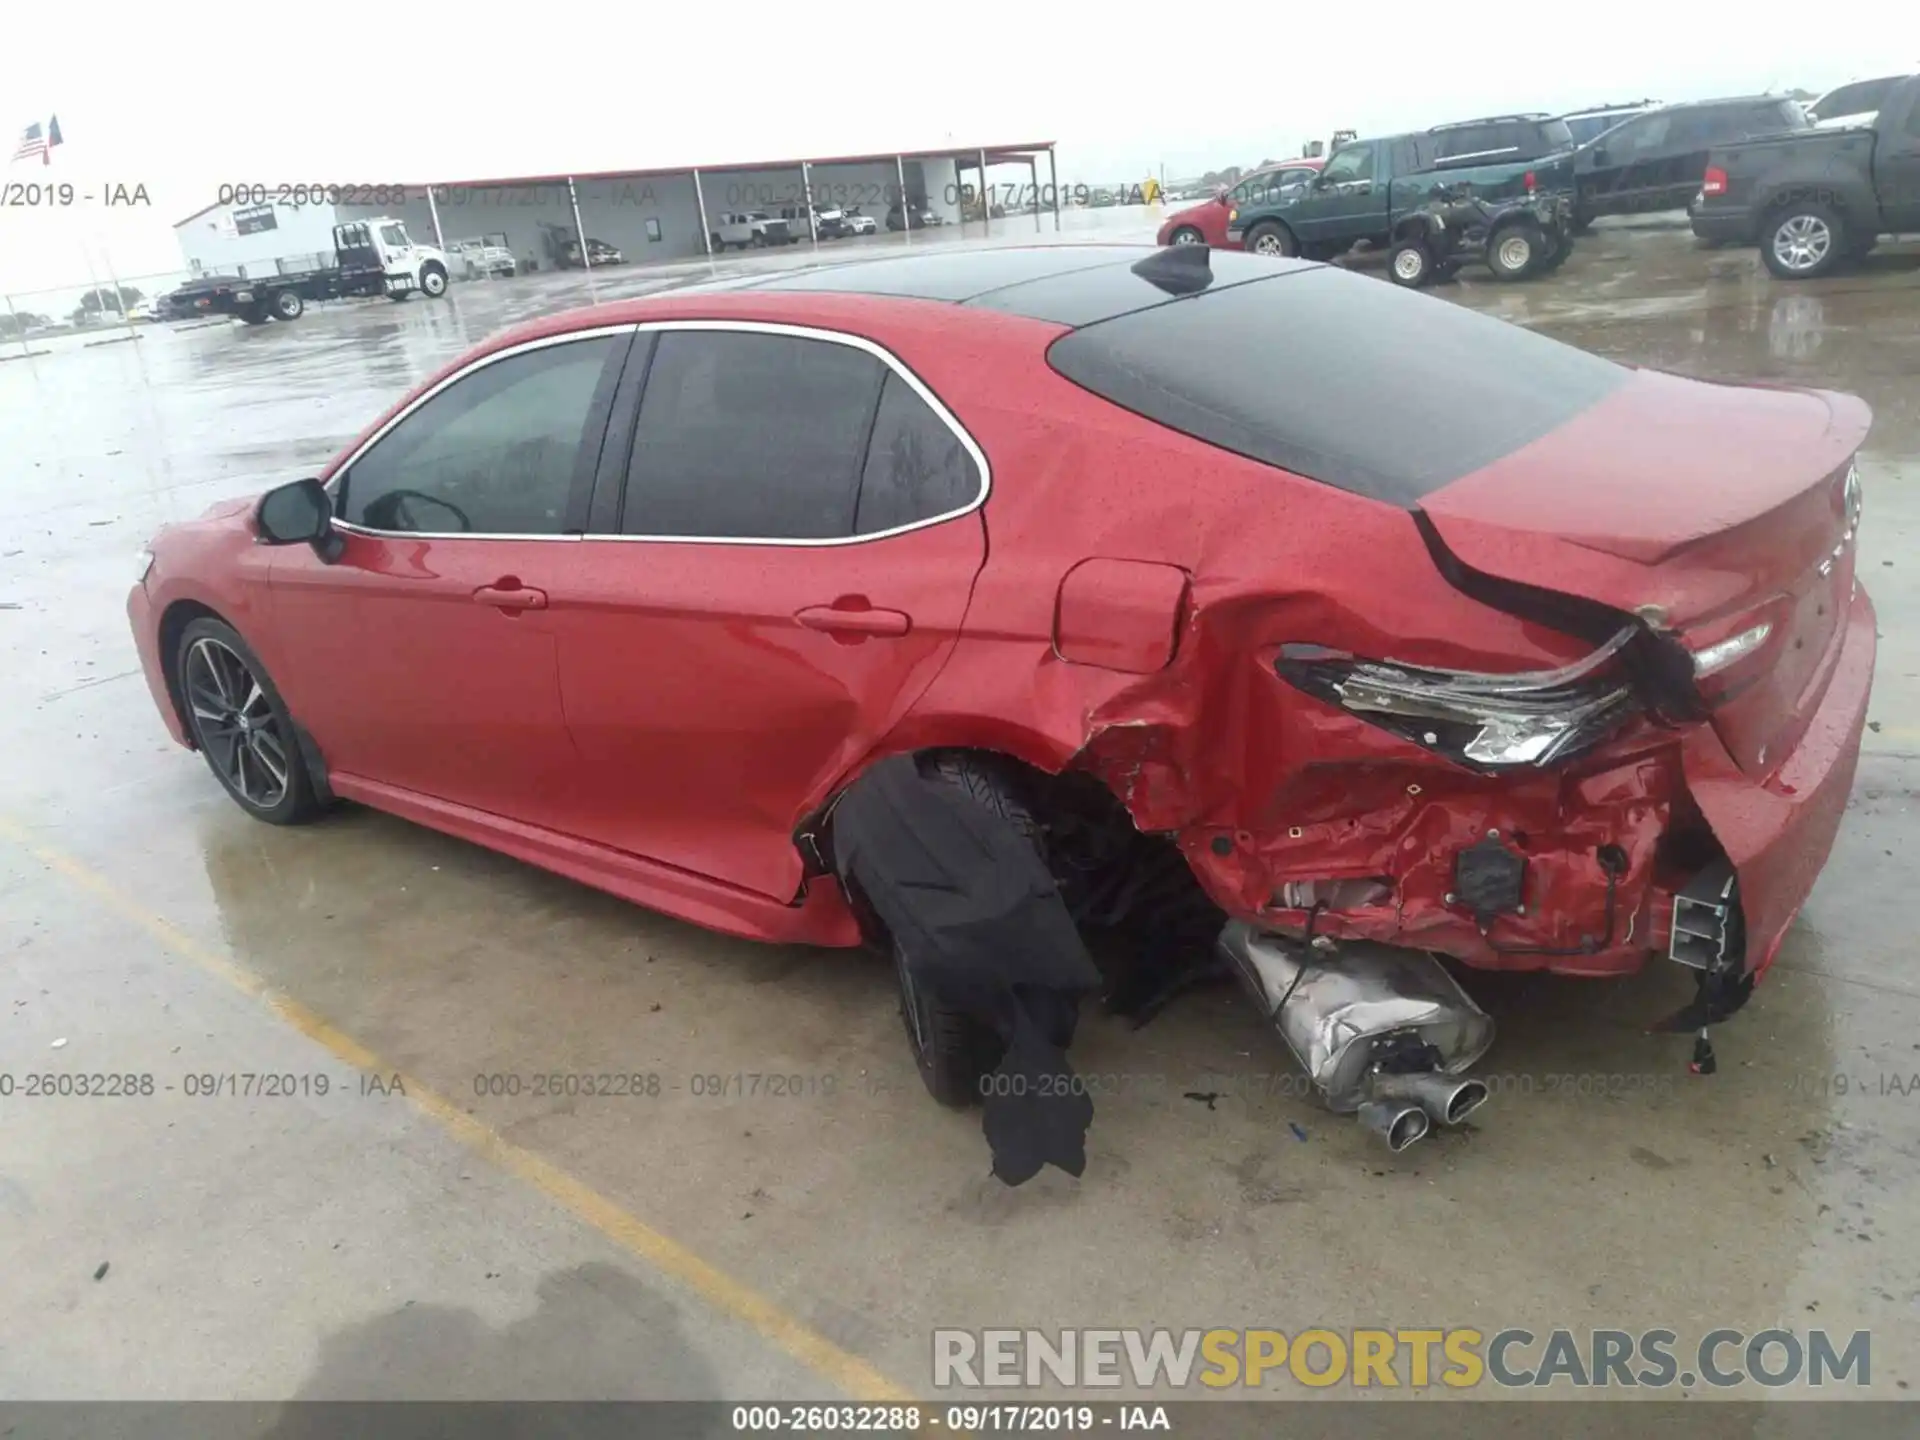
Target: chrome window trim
757 327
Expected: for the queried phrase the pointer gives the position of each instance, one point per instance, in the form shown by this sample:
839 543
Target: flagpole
119 298
92 275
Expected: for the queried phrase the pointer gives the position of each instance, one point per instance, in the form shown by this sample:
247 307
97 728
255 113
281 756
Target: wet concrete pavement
697 1240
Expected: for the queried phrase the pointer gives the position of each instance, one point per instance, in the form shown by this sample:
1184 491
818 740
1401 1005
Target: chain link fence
94 310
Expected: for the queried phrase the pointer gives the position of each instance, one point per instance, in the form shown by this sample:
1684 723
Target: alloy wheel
1802 241
235 723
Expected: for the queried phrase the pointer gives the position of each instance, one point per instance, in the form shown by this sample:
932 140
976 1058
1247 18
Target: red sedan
1206 223
986 603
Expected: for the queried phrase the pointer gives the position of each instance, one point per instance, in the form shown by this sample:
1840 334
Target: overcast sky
184 100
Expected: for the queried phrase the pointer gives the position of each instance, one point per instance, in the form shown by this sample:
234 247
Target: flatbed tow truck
371 257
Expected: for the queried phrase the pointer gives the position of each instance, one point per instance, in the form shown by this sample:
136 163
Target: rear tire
1802 240
1270 238
1515 251
287 305
953 1051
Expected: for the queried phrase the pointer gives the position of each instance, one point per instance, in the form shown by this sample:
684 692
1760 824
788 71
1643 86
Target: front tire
1515 250
1269 238
1186 235
1411 264
433 282
1803 240
241 726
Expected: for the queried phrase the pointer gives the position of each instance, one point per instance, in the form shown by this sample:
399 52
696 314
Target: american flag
35 141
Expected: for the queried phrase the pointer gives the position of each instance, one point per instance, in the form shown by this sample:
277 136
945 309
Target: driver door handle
851 619
511 595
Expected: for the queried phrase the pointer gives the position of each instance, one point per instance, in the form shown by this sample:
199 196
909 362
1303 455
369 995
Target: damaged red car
1077 620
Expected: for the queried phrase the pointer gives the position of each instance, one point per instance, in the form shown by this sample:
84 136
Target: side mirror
301 512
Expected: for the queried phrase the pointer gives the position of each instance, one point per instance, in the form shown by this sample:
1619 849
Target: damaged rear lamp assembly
1483 720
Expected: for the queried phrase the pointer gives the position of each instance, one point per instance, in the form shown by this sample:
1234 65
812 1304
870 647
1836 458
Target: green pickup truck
1382 190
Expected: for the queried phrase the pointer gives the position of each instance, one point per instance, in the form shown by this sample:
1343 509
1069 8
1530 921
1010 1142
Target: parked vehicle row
1743 168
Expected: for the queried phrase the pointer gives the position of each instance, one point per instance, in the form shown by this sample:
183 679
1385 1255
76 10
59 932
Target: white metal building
645 214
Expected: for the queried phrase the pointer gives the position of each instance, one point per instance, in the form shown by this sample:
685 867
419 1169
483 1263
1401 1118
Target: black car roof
1065 284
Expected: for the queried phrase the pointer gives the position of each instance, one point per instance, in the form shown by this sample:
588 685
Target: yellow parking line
731 1297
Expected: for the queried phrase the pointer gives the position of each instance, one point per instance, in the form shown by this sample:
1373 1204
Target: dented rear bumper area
1778 831
1573 869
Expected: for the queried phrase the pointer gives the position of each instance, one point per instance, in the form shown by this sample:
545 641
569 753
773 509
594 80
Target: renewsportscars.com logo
1366 1359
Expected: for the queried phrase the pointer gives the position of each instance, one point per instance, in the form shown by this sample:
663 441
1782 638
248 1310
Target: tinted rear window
1340 378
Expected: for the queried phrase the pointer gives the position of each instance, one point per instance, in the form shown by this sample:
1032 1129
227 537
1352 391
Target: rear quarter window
1339 378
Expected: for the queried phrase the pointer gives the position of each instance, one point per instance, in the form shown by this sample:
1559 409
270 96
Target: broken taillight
1482 720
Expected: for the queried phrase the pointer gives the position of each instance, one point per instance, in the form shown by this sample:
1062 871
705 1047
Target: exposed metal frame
761 327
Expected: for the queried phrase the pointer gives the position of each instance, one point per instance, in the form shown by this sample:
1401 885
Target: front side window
751 436
1643 136
496 453
394 235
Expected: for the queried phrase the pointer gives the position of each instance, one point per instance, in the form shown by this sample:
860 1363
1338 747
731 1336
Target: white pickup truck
478 259
745 229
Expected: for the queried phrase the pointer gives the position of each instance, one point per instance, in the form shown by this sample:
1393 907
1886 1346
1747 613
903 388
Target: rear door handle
511 596
852 621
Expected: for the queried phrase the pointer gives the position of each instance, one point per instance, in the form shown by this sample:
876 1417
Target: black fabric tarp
982 929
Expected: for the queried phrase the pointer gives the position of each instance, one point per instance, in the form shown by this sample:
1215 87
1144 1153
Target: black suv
1655 161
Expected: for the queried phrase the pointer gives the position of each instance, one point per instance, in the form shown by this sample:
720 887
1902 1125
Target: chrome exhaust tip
1446 1099
1397 1122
